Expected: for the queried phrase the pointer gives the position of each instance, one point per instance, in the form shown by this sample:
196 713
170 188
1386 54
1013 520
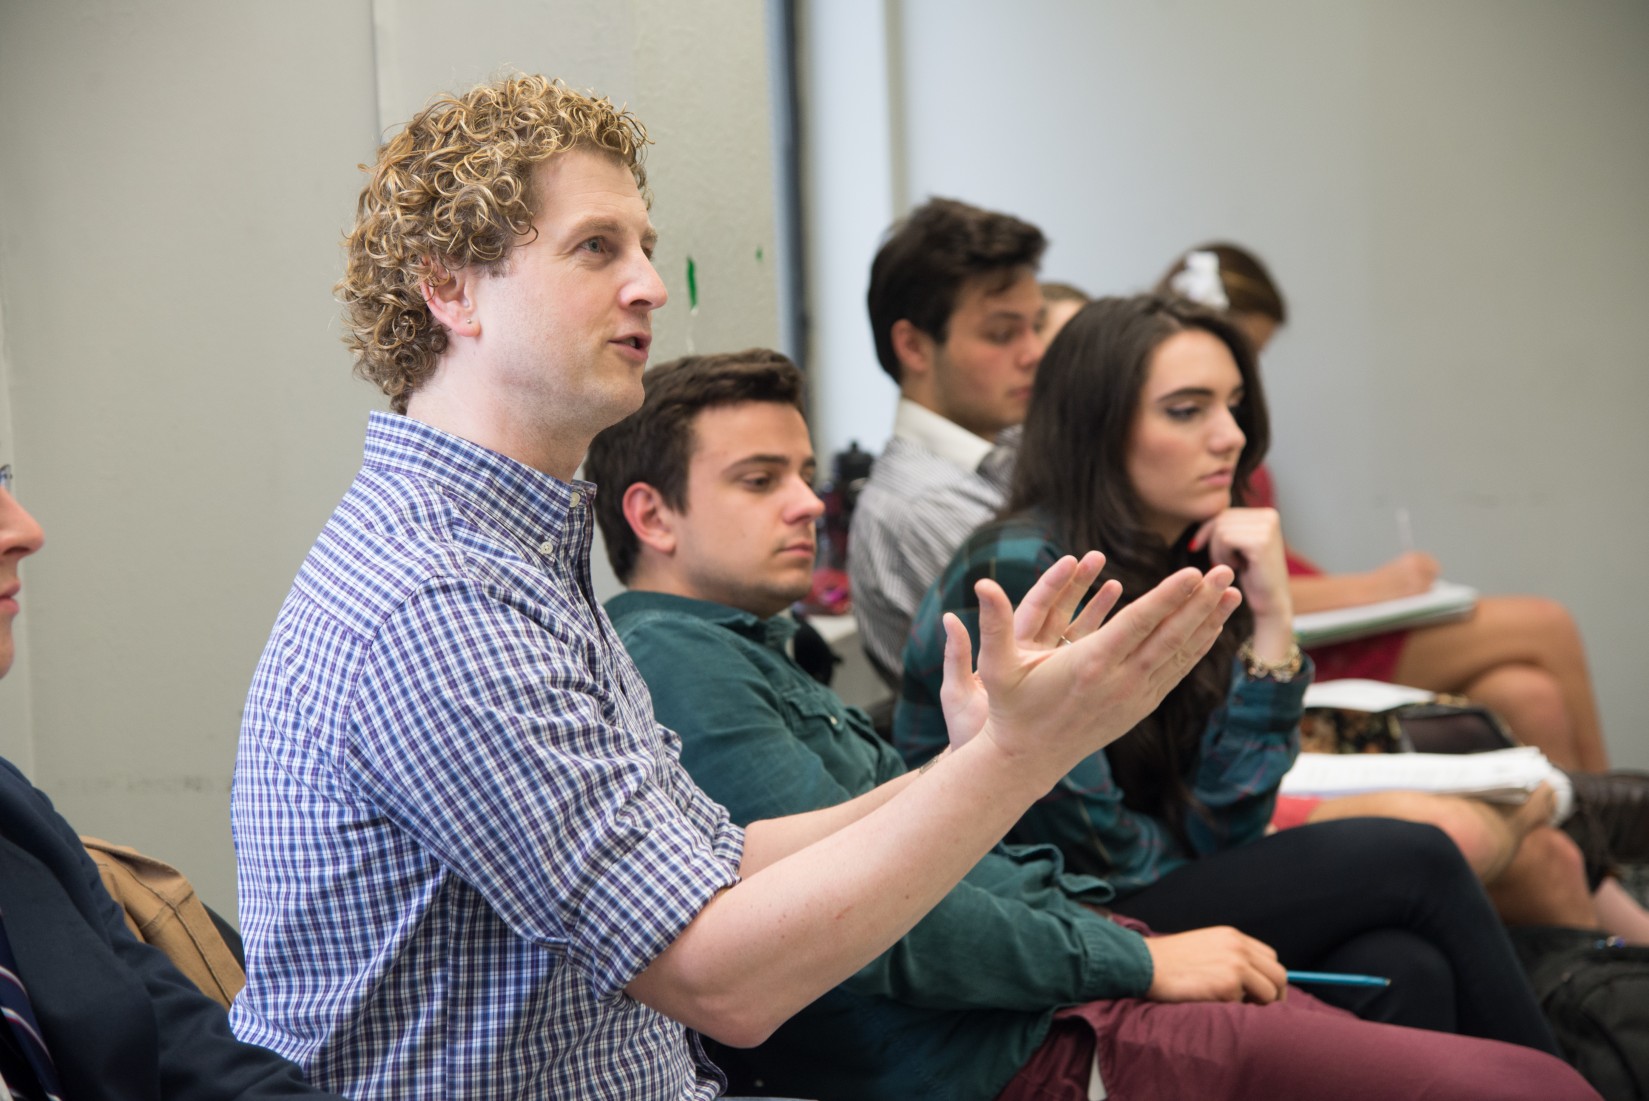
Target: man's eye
757 481
594 244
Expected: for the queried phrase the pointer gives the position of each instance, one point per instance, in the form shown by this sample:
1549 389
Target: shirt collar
521 498
774 632
943 437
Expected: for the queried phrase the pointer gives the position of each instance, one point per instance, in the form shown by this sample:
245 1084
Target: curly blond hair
454 188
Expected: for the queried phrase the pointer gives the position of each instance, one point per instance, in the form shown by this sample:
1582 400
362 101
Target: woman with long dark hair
1147 416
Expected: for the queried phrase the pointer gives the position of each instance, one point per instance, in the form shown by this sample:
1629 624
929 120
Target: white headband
1199 281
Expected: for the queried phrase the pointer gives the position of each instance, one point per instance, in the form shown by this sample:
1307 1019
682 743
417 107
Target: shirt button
578 498
547 547
833 721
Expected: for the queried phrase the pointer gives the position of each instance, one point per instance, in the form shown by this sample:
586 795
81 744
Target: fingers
1140 620
1094 613
1179 618
996 642
1168 662
1268 979
1087 572
1057 625
1203 635
1258 975
1039 604
1045 613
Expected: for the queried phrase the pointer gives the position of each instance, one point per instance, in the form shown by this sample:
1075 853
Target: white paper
1502 775
1373 696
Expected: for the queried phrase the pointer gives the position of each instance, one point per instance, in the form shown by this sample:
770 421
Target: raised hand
1041 622
1217 964
1055 704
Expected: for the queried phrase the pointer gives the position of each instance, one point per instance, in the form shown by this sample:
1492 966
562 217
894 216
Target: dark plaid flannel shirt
1247 745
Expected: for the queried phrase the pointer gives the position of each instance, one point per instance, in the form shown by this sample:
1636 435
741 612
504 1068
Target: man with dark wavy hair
956 314
471 864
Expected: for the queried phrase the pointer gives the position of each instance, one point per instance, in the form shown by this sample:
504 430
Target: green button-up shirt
958 1005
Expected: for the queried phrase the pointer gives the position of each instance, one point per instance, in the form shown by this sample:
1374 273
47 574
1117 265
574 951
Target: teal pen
1336 978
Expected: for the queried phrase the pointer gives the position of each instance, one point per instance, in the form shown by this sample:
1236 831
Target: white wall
1451 194
175 184
16 720
852 188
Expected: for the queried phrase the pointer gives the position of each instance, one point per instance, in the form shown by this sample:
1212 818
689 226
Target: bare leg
1531 702
1508 631
1619 913
1545 884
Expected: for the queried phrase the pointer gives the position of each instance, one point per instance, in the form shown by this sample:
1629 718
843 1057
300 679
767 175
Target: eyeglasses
5 477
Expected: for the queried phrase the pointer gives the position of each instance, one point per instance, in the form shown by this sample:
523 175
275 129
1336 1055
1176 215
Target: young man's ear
650 518
914 348
448 294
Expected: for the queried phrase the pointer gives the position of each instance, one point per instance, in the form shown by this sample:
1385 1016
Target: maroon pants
1296 1048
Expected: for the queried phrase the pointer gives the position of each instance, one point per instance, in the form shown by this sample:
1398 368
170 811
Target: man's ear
650 518
913 347
448 294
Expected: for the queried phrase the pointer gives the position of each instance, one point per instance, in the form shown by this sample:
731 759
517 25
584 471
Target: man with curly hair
470 862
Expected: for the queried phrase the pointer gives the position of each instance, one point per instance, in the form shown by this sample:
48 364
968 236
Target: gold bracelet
1280 671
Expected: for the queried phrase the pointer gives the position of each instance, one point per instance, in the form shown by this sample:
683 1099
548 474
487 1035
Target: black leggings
1375 896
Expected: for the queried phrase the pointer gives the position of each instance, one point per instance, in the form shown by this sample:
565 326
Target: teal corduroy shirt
961 1002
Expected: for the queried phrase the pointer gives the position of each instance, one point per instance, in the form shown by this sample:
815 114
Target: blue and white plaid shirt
461 832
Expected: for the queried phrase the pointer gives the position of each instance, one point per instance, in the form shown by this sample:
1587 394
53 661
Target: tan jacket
162 910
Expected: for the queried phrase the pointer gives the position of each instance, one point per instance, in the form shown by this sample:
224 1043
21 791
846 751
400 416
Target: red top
1371 658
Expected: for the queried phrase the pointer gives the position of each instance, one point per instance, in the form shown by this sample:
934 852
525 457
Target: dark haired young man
708 515
956 311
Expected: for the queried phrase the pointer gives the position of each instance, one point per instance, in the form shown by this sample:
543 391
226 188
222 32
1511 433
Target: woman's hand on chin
1250 541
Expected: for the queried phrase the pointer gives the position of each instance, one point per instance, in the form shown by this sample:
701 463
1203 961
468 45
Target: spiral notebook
1444 602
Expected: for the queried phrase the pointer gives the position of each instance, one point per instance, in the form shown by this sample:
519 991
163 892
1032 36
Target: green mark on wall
758 254
692 284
